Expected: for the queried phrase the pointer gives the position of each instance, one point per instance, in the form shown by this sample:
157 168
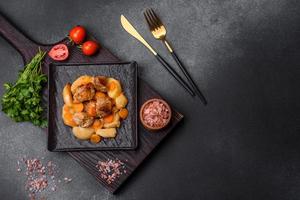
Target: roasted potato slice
67 94
107 132
114 88
121 101
83 133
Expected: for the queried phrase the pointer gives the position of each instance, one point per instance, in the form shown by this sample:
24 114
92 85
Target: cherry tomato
59 52
77 34
90 48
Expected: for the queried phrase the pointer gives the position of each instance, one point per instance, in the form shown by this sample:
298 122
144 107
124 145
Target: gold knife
132 31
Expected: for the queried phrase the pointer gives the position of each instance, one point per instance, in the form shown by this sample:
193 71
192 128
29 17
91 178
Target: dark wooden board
147 140
60 137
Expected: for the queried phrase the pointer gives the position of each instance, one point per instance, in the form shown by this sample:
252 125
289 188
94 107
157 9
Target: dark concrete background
245 56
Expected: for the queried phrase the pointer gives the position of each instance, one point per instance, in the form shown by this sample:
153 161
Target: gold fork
159 32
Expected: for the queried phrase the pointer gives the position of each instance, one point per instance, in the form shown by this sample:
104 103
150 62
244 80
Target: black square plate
60 137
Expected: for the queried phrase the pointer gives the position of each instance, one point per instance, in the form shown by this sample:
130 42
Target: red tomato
90 48
59 52
77 34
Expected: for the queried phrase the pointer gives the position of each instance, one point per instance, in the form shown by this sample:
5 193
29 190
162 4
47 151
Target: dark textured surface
244 55
60 135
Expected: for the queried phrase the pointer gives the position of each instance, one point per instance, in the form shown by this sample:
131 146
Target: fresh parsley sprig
22 100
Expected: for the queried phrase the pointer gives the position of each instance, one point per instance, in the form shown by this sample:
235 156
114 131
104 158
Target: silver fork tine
156 17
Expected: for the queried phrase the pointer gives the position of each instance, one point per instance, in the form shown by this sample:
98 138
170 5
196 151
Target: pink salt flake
37 184
155 114
40 176
110 170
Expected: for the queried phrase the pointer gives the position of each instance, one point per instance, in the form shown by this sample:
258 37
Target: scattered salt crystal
110 170
40 176
67 180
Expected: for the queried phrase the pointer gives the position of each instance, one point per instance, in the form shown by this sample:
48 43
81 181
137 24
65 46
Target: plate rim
136 138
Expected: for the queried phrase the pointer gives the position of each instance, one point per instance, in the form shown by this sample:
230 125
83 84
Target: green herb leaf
22 100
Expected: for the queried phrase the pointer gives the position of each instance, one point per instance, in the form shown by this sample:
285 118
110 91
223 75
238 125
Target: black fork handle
189 78
175 74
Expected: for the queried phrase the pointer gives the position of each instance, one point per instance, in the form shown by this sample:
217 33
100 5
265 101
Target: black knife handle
175 74
189 78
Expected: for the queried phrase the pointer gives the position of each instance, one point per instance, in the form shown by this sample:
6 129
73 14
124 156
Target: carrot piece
68 120
99 95
97 124
95 138
111 86
76 107
123 113
66 108
109 118
67 116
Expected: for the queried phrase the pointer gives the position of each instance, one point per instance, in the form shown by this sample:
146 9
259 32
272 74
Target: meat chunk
99 83
103 106
84 93
90 108
82 119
